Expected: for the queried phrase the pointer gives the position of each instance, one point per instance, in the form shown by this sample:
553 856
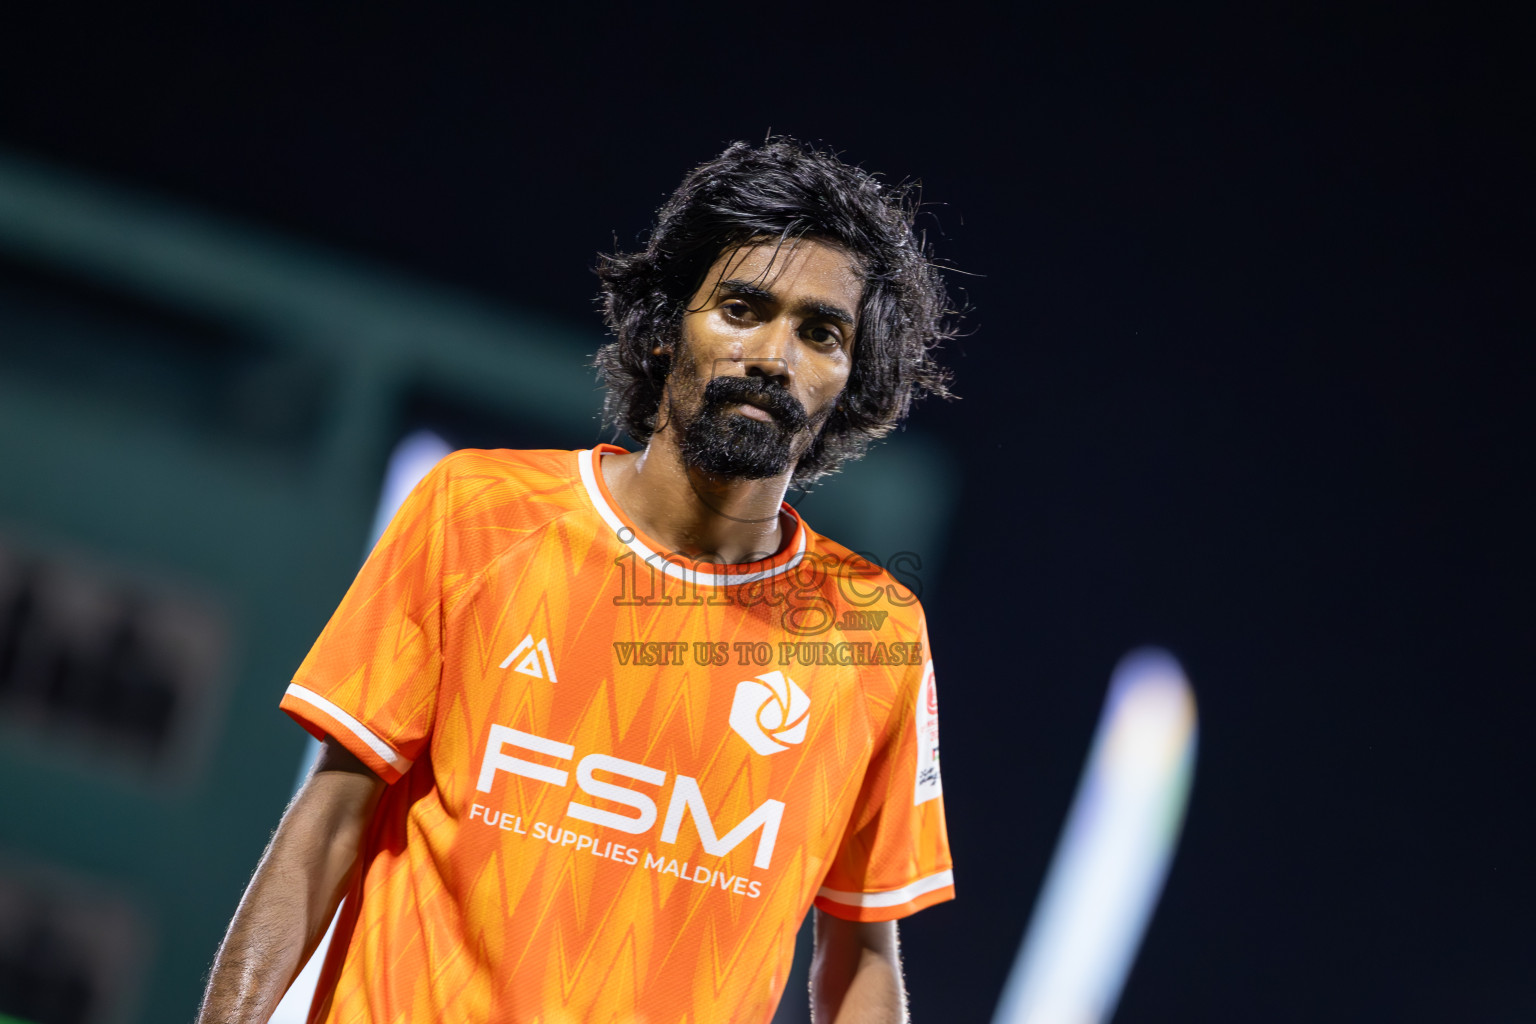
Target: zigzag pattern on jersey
452 919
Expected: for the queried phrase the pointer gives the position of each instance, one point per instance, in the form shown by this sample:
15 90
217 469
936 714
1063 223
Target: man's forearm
264 948
856 973
874 996
293 894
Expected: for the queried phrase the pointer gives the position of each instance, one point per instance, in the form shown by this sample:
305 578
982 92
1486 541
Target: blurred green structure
194 420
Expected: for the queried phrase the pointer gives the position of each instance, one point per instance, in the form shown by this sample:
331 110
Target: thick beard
723 443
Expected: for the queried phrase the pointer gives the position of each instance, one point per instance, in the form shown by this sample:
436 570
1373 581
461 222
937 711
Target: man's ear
660 350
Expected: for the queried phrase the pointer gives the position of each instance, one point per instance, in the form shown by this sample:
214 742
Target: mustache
761 391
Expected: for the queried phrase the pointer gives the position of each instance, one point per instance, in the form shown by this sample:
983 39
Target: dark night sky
1250 378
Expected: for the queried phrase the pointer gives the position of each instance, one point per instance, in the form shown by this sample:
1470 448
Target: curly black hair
785 191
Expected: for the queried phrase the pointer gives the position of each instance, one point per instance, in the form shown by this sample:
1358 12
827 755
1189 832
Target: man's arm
856 973
293 894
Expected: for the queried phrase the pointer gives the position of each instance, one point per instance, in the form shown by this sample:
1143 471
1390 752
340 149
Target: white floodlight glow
1109 865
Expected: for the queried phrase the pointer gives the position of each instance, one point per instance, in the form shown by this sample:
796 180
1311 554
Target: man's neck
691 514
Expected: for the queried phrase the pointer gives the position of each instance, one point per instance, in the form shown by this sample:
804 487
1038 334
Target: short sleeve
894 858
371 679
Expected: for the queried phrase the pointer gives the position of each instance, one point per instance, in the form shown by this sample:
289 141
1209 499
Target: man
594 742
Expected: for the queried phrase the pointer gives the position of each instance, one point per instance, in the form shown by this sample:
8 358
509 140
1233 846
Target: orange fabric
584 828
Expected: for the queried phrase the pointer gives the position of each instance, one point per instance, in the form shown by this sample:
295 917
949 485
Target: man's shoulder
473 474
863 580
521 464
513 487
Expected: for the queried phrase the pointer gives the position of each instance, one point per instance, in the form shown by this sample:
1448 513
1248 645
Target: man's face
767 346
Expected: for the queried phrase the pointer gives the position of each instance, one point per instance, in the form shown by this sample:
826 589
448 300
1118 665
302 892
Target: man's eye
823 336
737 310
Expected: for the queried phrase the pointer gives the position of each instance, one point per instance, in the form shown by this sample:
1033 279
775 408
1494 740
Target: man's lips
755 411
767 405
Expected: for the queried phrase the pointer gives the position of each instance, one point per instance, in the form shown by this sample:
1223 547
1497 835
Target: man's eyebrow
828 311
736 286
825 310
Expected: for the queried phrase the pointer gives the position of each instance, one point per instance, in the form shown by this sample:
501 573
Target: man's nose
772 353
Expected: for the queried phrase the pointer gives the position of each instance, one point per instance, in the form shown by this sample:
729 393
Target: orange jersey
618 780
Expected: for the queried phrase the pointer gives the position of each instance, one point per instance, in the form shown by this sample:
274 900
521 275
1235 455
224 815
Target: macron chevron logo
531 654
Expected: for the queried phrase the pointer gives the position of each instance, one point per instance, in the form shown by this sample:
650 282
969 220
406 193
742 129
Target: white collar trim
587 461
